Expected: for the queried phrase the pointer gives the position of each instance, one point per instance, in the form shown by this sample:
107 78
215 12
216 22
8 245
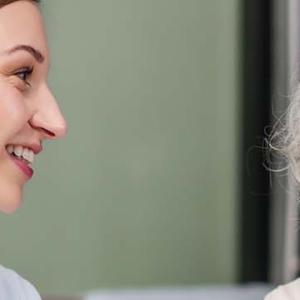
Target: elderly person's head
29 113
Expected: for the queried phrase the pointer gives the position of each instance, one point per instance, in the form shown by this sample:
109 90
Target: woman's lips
22 165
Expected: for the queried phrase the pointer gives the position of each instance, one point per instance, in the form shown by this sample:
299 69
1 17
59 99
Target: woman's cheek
12 112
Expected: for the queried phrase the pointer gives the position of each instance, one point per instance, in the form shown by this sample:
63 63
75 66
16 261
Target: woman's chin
10 199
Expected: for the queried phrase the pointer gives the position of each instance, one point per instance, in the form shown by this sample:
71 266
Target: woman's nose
48 117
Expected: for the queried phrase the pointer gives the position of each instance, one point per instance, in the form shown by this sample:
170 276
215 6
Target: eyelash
24 73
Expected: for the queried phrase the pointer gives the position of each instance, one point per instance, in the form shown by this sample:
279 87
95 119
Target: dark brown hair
6 2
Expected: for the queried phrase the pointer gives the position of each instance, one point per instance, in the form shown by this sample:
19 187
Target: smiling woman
29 113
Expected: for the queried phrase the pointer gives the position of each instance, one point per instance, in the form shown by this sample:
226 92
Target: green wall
143 191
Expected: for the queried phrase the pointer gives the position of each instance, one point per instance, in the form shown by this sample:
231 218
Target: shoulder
13 286
288 291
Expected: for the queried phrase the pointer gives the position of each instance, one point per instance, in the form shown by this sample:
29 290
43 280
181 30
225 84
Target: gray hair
285 138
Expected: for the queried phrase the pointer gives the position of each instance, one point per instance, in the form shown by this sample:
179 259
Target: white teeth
31 156
10 149
26 154
20 151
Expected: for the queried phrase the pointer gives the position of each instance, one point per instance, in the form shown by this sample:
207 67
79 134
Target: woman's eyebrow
34 52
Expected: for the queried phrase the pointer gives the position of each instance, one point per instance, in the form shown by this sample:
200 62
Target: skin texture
29 112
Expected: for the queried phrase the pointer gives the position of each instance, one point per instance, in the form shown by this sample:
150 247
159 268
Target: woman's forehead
21 23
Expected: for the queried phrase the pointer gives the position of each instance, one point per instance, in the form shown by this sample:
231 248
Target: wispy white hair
285 138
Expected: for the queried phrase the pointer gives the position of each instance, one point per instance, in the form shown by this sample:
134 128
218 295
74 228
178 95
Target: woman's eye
24 73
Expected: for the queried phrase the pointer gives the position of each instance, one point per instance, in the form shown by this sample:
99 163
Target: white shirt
14 287
290 291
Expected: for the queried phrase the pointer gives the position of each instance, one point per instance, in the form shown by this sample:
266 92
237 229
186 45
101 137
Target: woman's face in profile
28 111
